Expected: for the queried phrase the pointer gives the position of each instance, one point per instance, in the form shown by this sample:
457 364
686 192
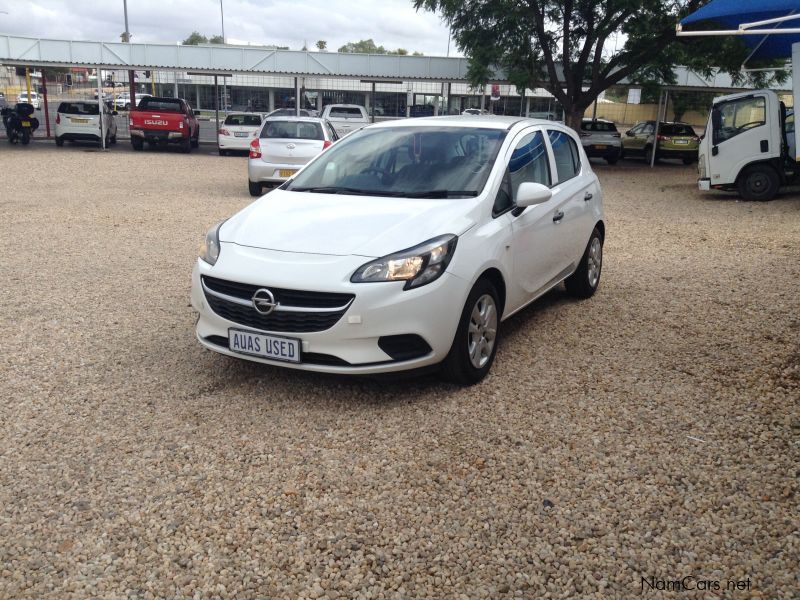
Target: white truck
345 118
749 146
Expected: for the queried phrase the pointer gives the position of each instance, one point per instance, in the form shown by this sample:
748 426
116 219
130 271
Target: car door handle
588 196
558 216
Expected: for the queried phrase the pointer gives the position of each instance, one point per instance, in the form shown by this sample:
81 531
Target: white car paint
238 130
314 241
74 123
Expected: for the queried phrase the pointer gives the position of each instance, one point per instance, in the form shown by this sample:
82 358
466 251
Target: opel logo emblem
263 301
290 146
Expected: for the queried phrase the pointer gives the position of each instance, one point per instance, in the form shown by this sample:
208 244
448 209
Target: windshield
292 130
416 162
160 104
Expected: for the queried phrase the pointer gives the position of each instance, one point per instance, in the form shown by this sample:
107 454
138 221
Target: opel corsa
403 246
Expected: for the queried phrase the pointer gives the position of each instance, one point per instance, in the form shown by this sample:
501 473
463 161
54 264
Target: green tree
216 39
363 47
322 45
579 48
194 39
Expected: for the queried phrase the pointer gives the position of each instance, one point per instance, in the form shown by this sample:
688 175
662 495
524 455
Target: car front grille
298 311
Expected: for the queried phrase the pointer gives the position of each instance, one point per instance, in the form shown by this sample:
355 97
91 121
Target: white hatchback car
79 121
34 100
237 131
283 146
404 246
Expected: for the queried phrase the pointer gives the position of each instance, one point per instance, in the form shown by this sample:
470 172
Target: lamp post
224 87
131 74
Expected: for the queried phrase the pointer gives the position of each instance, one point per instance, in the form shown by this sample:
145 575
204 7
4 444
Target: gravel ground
650 432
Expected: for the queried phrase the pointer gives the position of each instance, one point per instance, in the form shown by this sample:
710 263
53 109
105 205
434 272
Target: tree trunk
573 117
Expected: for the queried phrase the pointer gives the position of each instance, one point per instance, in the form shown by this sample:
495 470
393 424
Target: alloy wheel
482 331
595 261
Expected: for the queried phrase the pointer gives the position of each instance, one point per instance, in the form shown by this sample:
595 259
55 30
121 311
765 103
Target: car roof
476 121
589 120
344 105
236 113
294 118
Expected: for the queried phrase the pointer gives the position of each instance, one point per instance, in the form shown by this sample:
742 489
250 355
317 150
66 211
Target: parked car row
600 139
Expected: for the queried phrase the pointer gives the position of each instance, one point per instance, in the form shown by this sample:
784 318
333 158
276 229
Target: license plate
683 142
274 347
240 134
600 146
286 172
79 120
26 123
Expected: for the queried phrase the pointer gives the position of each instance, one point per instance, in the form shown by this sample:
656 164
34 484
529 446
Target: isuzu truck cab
749 146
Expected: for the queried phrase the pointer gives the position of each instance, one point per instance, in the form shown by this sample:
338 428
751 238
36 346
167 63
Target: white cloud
391 23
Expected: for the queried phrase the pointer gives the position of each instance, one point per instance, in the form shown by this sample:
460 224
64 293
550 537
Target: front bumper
704 184
351 345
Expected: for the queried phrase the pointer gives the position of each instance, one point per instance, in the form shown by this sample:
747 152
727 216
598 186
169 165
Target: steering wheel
749 125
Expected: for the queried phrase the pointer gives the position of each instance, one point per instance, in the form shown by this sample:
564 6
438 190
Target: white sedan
404 246
237 131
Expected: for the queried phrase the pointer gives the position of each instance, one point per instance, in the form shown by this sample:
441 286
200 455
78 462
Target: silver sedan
283 146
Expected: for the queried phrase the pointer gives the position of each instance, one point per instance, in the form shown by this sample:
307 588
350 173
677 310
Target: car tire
196 141
223 152
59 141
584 281
186 146
113 139
612 160
127 106
137 143
24 137
648 155
688 161
472 353
255 188
758 182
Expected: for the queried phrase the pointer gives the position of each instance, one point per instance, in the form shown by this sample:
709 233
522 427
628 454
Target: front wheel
475 343
584 281
759 182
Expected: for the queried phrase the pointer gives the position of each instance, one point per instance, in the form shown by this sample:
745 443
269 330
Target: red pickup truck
164 121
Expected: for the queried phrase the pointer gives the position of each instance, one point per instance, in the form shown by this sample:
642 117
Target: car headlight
209 251
416 266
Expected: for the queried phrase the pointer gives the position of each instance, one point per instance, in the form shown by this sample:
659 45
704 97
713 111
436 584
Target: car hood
343 225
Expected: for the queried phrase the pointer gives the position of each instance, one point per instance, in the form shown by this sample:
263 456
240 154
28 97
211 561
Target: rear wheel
475 343
186 146
137 143
758 182
196 141
584 281
223 152
59 141
25 137
688 161
114 139
255 188
612 160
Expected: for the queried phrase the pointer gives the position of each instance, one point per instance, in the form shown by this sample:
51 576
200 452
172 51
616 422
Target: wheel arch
773 163
601 227
495 277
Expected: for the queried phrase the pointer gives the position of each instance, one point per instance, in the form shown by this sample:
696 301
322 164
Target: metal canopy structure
768 27
224 59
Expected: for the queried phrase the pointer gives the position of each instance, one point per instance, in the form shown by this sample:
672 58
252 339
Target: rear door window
565 153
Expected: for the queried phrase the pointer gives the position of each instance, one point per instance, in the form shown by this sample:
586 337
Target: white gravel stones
134 464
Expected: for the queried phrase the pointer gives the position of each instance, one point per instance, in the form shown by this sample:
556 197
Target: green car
675 140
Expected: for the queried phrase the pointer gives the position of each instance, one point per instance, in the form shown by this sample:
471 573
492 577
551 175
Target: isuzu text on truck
749 146
162 121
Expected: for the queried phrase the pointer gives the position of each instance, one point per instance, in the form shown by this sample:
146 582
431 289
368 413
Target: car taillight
255 149
327 144
664 138
616 135
223 131
58 119
130 122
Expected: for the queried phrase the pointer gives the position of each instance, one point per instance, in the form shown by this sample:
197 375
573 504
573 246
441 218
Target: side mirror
529 194
196 112
629 133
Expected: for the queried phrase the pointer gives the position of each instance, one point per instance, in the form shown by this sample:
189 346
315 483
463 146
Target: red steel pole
46 109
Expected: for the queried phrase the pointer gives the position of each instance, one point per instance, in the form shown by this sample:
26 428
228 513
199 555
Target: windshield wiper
330 190
440 194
